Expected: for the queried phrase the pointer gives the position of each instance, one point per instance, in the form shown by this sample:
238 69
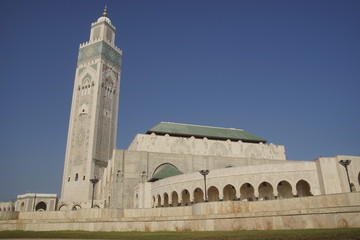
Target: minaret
94 110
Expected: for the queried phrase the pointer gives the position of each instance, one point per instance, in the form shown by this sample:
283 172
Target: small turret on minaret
102 29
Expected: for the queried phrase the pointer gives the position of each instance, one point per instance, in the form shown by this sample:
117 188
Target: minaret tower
94 110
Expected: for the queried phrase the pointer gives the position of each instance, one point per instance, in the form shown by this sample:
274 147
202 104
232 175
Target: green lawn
319 234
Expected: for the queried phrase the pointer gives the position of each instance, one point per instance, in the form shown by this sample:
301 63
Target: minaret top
105 12
103 30
104 17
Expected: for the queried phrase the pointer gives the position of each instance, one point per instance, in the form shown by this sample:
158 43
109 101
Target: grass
308 234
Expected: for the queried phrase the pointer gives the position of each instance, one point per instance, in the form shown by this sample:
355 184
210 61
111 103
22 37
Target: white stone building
161 168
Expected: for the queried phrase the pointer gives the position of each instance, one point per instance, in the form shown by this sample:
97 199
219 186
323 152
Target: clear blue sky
286 71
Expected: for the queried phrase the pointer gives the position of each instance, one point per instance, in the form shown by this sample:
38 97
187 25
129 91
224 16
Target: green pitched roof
165 171
216 133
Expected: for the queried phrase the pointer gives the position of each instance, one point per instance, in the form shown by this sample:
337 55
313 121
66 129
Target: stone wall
332 176
329 211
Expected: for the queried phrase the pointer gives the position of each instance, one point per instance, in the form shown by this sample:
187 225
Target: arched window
85 88
76 177
108 88
84 109
76 207
41 206
63 208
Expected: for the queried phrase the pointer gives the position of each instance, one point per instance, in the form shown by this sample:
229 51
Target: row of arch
40 206
65 207
85 88
108 88
246 192
7 209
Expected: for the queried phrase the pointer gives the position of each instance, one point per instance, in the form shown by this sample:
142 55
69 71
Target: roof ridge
203 126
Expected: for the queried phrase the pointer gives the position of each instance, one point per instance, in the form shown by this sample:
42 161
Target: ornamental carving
99 49
78 160
80 137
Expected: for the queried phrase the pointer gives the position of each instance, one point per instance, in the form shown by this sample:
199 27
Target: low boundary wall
328 211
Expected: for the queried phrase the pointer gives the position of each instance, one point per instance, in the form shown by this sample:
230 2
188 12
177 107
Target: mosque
173 165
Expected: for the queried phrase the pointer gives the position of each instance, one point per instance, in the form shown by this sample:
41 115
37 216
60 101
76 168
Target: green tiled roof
216 133
165 171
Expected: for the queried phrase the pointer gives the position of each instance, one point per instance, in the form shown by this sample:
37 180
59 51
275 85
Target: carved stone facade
94 111
155 185
193 146
240 169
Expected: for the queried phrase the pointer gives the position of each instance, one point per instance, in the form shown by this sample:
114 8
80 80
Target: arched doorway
229 192
284 190
158 201
166 200
198 195
185 196
247 192
41 206
266 191
303 189
213 194
175 199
